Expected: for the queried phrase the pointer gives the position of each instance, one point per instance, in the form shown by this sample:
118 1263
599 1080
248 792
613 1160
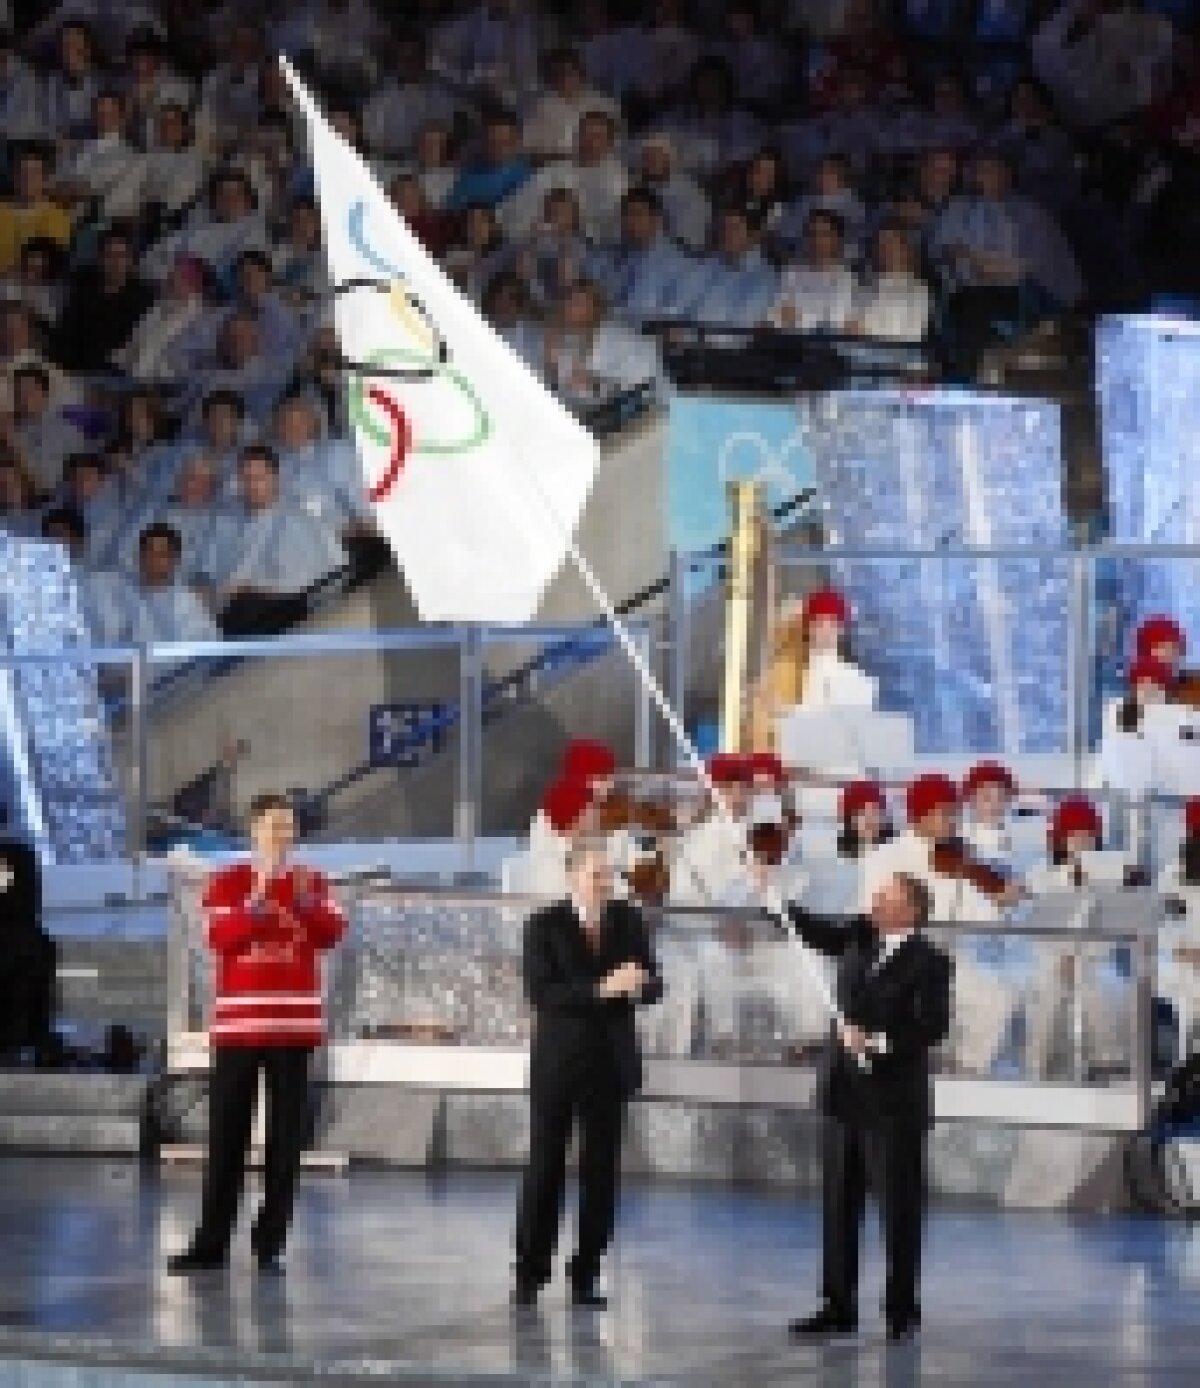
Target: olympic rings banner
712 440
477 475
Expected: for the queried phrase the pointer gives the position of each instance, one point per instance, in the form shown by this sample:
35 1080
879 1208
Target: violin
768 842
1134 876
646 823
1186 690
952 858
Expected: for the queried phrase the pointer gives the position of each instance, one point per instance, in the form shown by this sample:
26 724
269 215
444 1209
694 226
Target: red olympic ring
401 443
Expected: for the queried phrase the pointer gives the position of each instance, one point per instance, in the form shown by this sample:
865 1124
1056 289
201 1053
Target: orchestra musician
1163 639
710 853
542 869
810 665
989 792
1077 829
962 887
862 819
1126 758
824 670
634 825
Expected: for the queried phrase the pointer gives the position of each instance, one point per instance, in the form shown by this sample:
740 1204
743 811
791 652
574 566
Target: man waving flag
476 473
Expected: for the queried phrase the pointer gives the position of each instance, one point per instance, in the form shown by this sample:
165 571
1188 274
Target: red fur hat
1159 631
765 764
989 773
1146 670
1074 815
929 793
588 759
727 769
826 604
857 796
564 802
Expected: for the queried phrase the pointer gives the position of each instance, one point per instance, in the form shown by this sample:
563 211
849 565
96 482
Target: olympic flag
477 475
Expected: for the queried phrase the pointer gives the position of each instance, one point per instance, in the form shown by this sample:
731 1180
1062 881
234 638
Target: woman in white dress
1126 756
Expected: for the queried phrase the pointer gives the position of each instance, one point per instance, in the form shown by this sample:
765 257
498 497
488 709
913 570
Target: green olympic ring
406 356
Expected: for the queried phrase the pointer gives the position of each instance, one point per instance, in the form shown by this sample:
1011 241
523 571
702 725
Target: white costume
1179 979
710 857
831 682
1098 974
984 1000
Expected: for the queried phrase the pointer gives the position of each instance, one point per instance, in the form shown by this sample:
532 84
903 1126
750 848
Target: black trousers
28 989
599 1110
889 1155
233 1088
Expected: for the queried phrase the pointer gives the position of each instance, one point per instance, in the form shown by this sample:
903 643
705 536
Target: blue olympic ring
355 220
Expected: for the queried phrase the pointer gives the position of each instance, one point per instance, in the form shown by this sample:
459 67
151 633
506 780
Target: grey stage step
44 1111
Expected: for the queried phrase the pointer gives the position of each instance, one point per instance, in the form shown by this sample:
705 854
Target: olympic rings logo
426 362
772 466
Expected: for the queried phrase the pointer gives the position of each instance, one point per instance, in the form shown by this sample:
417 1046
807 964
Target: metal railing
1051 1018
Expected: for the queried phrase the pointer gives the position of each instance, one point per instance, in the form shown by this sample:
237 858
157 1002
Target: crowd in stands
593 174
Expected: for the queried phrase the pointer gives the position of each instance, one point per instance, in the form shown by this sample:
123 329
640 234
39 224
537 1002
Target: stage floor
402 1278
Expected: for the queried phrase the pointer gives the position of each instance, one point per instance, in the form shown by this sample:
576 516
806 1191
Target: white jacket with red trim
268 978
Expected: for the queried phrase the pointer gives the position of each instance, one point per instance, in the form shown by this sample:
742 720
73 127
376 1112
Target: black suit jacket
580 1038
907 999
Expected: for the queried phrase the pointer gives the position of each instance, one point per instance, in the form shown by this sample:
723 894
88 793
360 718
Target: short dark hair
266 801
829 217
116 232
919 895
224 397
646 197
161 530
252 255
263 451
68 518
75 462
31 371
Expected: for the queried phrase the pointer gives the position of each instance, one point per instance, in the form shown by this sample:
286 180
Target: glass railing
1051 1008
376 735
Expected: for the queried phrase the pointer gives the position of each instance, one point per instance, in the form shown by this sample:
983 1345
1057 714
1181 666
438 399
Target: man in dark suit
586 961
893 992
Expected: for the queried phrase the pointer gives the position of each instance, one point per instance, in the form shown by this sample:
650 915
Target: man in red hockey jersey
267 923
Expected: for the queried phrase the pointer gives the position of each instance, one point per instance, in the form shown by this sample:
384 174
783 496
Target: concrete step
92 1133
68 1096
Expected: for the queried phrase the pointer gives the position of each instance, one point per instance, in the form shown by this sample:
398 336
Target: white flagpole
537 494
774 905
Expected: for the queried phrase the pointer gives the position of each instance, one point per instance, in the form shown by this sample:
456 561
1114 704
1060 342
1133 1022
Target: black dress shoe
525 1293
195 1260
903 1327
268 1260
588 1296
824 1322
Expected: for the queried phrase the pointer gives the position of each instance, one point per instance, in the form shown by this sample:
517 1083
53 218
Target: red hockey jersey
267 956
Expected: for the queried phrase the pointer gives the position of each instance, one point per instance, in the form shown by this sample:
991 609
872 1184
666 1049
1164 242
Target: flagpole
565 533
774 905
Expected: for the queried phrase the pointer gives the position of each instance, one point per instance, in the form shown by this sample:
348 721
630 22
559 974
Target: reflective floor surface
403 1278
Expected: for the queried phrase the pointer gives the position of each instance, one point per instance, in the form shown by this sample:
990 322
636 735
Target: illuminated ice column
1148 383
55 729
974 651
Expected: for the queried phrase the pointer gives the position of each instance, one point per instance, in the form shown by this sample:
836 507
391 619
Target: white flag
476 473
